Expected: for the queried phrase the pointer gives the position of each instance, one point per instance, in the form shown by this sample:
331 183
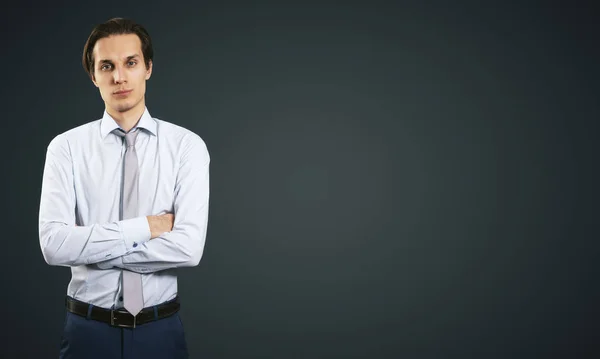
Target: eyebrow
104 61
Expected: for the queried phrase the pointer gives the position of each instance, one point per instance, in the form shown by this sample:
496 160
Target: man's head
118 58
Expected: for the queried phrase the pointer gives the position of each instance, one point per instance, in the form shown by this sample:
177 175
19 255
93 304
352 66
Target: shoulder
74 135
183 137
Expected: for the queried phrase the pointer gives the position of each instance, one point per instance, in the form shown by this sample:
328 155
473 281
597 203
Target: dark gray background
409 180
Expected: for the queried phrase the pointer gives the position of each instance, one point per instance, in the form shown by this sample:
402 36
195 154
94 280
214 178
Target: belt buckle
121 325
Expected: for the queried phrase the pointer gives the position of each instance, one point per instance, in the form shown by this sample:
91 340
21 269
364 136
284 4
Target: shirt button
120 298
134 245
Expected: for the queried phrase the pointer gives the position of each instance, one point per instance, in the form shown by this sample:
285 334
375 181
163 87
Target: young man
124 203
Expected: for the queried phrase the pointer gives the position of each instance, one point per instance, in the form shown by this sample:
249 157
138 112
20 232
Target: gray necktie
132 282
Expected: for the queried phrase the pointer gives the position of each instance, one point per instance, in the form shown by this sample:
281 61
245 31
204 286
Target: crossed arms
143 244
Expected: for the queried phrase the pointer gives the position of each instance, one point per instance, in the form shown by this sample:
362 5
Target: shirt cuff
134 232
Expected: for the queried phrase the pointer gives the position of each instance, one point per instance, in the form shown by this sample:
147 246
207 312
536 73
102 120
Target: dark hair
116 26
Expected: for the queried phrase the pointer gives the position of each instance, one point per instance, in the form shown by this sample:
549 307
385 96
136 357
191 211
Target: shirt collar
108 124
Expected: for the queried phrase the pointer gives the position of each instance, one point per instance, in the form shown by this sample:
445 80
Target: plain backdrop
388 180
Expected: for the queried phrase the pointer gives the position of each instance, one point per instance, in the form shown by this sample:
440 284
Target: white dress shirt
79 224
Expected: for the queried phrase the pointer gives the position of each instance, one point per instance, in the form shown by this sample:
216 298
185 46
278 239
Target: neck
127 119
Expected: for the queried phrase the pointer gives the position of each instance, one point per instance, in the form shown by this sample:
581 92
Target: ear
94 79
149 70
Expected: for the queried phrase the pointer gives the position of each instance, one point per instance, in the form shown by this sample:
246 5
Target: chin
123 107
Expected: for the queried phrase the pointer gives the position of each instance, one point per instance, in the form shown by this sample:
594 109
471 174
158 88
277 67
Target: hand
160 224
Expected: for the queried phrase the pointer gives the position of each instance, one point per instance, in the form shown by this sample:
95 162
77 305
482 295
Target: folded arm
184 244
62 242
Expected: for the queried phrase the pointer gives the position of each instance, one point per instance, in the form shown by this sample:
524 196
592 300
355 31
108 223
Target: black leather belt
121 317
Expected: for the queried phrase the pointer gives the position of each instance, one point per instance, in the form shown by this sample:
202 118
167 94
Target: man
124 203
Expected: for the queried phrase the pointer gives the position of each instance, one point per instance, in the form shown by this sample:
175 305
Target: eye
132 63
105 67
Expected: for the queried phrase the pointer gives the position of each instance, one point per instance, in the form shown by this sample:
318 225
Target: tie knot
129 137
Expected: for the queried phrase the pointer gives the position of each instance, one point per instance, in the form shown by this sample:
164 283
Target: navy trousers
89 339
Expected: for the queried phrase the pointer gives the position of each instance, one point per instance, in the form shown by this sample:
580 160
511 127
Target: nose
119 75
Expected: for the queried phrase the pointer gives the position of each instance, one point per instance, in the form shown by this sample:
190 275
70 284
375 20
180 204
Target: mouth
122 92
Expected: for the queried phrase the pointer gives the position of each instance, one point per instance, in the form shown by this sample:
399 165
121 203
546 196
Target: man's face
120 73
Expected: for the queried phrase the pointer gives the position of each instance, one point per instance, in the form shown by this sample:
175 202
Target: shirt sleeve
62 242
183 246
